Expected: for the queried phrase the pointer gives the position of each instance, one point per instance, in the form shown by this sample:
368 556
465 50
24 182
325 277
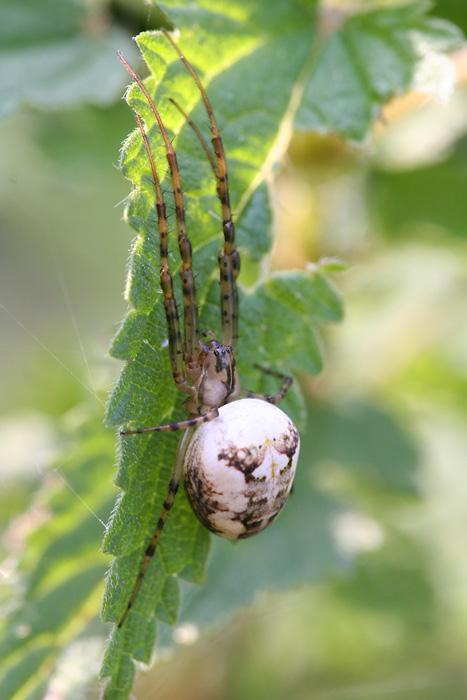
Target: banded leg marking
229 260
190 318
180 425
168 503
188 427
170 304
270 398
198 134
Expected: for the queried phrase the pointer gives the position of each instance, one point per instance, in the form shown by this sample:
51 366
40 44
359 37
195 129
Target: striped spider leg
255 444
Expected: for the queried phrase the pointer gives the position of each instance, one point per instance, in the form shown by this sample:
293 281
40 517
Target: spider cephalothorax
218 382
239 465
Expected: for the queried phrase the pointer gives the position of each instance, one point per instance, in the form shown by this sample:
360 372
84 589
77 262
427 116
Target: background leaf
61 561
56 54
145 395
370 59
375 625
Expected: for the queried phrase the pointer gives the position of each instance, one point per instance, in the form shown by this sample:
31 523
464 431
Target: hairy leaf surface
265 67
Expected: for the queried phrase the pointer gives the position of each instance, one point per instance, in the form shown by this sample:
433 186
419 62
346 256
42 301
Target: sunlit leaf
52 55
250 66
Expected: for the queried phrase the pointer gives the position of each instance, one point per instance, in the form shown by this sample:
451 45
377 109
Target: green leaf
254 60
431 195
331 265
371 58
61 567
441 35
55 54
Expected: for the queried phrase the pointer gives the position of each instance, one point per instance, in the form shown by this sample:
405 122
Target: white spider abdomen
239 467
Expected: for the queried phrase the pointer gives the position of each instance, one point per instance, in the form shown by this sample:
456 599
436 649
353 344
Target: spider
239 464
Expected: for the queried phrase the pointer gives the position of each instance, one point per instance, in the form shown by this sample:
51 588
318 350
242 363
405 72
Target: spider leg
190 304
270 398
229 259
198 134
180 425
187 426
168 503
170 304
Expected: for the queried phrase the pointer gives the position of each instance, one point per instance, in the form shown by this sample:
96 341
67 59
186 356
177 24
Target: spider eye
216 353
229 348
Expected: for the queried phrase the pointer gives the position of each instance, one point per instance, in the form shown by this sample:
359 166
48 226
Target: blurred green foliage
424 197
372 542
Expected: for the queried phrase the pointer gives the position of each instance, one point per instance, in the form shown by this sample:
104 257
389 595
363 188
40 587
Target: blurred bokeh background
387 427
